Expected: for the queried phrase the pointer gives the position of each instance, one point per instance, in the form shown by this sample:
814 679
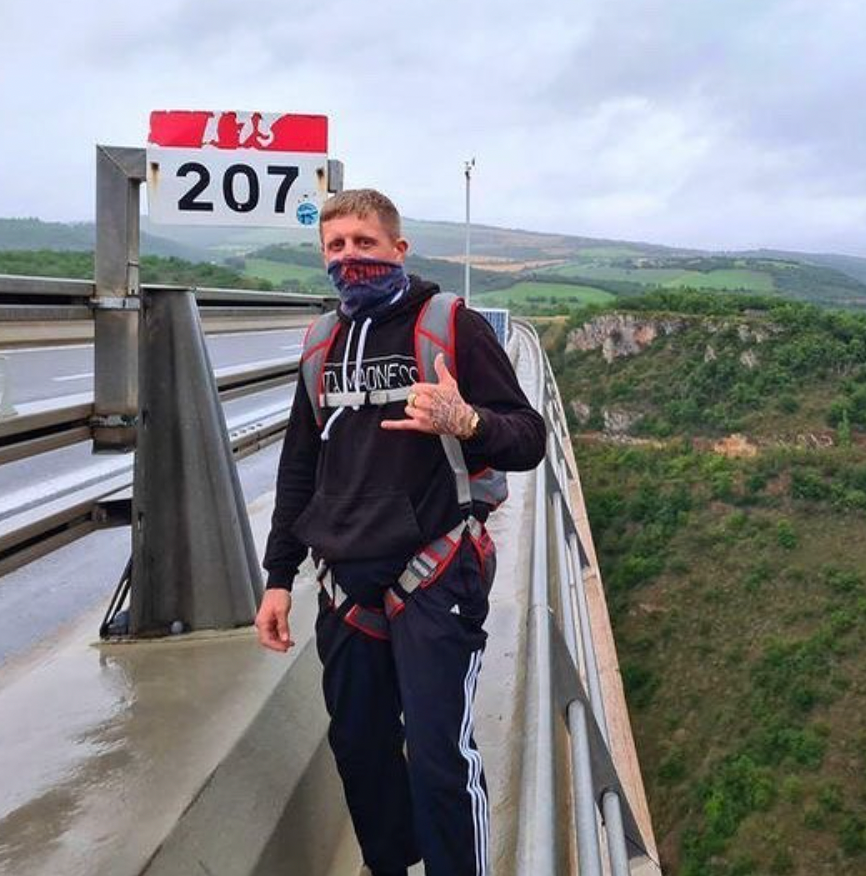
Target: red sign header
269 132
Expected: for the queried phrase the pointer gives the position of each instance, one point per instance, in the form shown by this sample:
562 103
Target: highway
38 373
57 373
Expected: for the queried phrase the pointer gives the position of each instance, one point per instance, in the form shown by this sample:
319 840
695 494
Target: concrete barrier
274 804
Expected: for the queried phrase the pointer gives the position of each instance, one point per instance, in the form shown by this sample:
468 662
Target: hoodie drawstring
359 356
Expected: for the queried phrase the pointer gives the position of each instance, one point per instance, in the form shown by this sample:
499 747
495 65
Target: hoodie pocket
361 527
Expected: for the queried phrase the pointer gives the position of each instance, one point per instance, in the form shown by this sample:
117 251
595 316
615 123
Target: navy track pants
429 802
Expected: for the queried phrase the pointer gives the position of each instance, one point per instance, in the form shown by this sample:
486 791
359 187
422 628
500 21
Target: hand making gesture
437 408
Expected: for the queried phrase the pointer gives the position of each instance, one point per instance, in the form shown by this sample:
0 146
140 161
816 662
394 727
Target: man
405 563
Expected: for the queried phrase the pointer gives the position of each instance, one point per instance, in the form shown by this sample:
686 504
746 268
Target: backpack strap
363 397
435 333
317 344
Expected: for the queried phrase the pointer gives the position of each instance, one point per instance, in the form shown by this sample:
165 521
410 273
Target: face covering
363 283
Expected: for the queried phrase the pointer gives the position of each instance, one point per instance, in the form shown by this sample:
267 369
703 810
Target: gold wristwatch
475 425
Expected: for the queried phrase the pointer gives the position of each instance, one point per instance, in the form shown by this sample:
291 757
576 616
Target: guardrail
563 683
42 426
102 500
54 310
26 302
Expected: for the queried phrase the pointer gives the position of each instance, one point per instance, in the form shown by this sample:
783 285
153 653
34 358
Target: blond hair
362 202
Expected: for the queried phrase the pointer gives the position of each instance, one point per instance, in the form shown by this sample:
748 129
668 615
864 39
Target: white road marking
82 376
256 332
7 351
60 347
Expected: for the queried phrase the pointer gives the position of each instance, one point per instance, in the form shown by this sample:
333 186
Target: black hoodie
370 498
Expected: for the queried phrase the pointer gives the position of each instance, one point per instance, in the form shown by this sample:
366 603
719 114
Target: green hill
795 280
502 258
735 566
23 234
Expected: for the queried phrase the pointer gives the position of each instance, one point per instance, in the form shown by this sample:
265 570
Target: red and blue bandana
364 283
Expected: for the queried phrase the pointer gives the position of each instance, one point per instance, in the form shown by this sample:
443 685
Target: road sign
236 168
500 320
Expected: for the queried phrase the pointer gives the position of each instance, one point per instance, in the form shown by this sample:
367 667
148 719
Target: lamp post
469 166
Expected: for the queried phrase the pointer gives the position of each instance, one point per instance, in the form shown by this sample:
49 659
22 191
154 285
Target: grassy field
732 278
611 252
523 293
279 272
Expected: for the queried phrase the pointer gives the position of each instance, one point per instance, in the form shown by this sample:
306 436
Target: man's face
360 237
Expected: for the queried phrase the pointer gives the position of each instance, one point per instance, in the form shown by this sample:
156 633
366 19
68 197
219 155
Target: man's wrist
474 426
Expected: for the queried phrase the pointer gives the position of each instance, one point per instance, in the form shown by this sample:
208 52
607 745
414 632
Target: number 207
192 201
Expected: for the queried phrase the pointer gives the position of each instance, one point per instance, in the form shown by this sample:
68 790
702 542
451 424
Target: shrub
842 580
830 798
739 788
852 835
640 684
808 484
673 768
785 535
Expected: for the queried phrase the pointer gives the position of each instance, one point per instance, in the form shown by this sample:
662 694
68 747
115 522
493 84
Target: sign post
238 168
119 174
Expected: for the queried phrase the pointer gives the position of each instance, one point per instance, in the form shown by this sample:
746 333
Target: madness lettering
389 372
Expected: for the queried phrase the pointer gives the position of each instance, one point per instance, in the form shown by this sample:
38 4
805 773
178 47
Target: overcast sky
712 123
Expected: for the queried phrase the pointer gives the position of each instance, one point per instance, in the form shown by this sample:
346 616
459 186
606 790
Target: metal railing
50 309
36 427
563 683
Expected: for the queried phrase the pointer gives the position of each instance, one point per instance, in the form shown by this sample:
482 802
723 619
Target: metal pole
593 677
194 560
587 827
536 841
617 850
569 625
588 846
468 168
119 174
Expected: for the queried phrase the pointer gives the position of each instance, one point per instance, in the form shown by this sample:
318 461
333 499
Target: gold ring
410 400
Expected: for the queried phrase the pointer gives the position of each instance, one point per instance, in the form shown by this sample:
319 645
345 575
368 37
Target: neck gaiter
364 283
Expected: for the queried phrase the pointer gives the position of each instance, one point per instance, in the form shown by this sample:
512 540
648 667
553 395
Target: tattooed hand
436 408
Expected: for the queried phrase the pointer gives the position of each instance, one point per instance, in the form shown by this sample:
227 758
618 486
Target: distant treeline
306 255
620 288
78 265
824 285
